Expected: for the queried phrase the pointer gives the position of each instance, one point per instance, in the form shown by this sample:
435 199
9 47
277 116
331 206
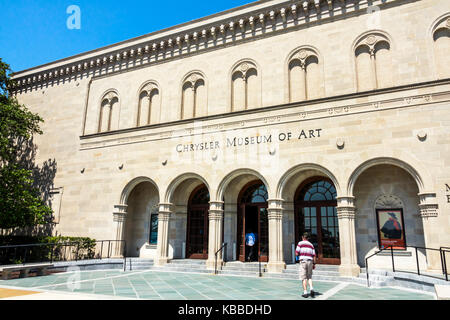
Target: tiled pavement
183 286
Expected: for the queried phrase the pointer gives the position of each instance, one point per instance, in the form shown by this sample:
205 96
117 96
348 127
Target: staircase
184 265
378 278
133 264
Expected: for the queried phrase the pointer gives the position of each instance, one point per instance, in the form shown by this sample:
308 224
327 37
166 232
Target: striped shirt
305 250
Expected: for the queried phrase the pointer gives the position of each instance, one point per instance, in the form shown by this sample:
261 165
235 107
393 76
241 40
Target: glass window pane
153 229
331 221
313 212
306 212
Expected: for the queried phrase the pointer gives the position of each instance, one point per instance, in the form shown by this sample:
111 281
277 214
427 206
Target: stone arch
228 190
169 196
418 178
109 111
126 190
386 184
149 104
304 74
177 195
440 44
245 85
250 173
139 201
372 56
294 174
194 97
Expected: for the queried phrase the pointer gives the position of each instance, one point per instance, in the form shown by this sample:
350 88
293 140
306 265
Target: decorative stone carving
388 202
109 97
428 210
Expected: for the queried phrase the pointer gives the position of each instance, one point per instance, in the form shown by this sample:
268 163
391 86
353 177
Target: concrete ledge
442 292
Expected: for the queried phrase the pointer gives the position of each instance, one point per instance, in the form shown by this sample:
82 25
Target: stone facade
356 92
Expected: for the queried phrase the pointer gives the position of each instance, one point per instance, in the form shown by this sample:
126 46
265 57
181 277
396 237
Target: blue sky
34 32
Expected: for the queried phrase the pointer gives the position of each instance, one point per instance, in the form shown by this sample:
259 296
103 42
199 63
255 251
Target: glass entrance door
252 217
197 224
322 224
197 242
315 213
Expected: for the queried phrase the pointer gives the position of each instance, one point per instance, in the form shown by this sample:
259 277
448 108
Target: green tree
21 203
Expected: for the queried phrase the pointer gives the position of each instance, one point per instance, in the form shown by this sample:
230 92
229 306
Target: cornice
216 31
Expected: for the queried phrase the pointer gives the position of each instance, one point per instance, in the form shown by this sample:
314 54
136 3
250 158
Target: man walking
307 259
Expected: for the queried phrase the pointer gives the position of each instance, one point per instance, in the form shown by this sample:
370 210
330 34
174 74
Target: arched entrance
140 228
197 224
315 212
252 215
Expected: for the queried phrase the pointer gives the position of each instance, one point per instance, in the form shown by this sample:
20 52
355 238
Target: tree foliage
21 202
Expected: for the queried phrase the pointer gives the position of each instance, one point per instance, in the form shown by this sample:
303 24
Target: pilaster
275 217
162 249
346 212
215 234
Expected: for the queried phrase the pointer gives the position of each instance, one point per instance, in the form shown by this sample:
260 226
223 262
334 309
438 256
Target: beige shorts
305 269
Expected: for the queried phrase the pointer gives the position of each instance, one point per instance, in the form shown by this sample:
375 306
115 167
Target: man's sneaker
305 295
312 293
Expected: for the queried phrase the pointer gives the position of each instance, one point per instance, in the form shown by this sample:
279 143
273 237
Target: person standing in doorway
307 262
250 240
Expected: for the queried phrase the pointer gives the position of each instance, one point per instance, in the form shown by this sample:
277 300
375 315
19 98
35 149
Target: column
347 237
275 217
429 213
119 219
215 234
162 249
374 68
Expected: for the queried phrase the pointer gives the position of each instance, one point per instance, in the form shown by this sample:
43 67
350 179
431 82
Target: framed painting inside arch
391 229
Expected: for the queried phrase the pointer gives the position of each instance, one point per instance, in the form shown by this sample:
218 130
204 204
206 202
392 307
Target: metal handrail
224 245
259 260
441 250
10 253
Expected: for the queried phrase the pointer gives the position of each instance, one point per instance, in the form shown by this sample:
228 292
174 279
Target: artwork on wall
391 229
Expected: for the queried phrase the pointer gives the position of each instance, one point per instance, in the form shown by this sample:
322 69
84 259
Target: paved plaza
155 285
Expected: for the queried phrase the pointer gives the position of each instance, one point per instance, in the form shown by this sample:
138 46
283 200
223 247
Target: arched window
441 41
245 87
305 79
318 191
373 62
194 98
257 193
109 113
149 105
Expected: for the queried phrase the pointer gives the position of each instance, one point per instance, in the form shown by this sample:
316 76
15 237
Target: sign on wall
391 228
448 192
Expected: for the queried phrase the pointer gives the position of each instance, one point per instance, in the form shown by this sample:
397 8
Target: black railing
222 249
259 260
442 252
63 251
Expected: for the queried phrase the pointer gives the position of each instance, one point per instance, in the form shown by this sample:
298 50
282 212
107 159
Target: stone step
180 269
188 261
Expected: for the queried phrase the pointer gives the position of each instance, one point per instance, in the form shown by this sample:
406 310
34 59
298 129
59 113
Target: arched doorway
315 212
142 198
252 215
197 224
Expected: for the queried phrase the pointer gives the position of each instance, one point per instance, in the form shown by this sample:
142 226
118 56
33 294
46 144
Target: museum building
280 117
